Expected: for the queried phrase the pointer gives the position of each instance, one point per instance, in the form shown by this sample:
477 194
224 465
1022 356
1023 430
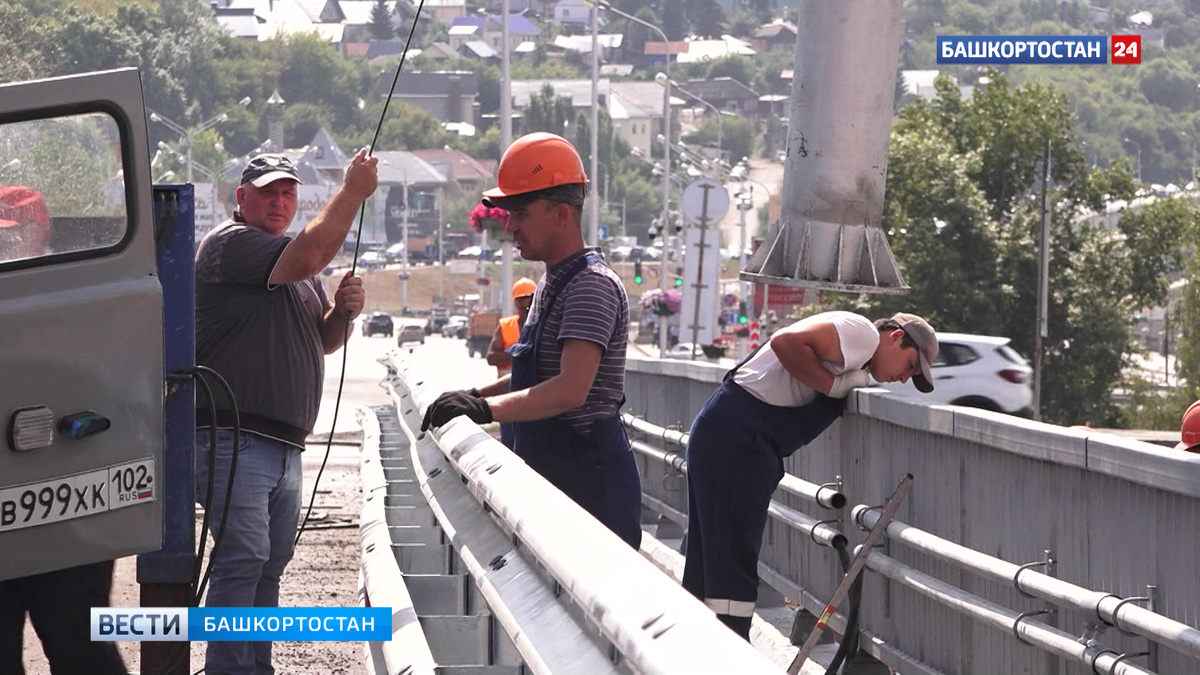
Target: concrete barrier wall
1116 514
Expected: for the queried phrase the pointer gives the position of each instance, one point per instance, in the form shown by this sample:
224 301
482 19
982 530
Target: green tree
742 24
547 111
381 22
1168 82
484 145
738 136
674 22
963 217
20 36
405 128
706 18
741 68
302 121
763 11
313 72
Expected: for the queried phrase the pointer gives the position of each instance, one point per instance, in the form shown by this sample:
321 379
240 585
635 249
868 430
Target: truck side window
61 187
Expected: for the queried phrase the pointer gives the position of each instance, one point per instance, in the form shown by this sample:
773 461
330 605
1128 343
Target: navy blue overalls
735 460
594 466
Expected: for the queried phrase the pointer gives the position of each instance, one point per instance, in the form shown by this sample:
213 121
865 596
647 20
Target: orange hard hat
536 162
1189 430
523 287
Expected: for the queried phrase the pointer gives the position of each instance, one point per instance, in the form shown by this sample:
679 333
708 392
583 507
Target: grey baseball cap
921 333
268 168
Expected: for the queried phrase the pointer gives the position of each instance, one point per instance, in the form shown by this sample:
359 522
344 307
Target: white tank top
767 380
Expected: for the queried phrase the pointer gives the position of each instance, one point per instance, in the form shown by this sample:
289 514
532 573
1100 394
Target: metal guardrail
487 499
381 583
1106 608
1110 511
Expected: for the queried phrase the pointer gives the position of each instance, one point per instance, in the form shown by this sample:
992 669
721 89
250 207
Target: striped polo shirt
592 307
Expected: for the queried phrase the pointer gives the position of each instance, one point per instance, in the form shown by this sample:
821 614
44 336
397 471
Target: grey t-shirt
265 340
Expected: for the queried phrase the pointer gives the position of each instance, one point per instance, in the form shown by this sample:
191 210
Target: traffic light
678 276
678 281
637 272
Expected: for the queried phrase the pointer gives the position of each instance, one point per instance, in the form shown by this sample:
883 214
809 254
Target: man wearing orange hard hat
507 334
1189 429
568 366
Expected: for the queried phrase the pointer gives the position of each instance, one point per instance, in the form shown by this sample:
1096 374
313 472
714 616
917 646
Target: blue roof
517 23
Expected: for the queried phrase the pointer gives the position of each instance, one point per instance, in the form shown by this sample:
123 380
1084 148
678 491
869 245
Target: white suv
978 371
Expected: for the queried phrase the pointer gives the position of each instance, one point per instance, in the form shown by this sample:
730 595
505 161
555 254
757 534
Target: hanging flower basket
662 304
492 219
714 351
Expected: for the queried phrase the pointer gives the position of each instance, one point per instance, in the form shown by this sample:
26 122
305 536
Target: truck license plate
83 494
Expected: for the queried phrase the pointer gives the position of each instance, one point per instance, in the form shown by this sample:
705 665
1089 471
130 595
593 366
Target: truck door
81 341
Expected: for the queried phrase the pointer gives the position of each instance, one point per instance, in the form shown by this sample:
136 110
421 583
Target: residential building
656 52
699 51
609 43
478 49
573 13
445 11
514 6
426 186
449 96
726 94
779 35
487 29
281 18
467 175
634 107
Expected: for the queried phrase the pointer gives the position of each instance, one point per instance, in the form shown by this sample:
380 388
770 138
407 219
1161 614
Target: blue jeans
259 538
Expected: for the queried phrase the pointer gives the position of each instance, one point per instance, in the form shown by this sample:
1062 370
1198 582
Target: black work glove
451 404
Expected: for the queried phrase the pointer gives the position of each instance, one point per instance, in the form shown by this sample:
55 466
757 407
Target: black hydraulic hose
237 433
849 643
212 470
337 402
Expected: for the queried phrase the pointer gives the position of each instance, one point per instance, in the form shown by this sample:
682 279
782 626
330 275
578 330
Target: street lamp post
665 81
1139 156
212 175
186 134
664 258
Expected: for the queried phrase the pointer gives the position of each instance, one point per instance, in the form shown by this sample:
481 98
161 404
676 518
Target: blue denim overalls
735 460
595 467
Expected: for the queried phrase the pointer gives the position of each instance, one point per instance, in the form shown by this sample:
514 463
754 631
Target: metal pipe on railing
822 495
1104 607
819 532
1019 625
671 436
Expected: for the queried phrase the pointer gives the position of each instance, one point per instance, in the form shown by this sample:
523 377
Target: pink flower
481 213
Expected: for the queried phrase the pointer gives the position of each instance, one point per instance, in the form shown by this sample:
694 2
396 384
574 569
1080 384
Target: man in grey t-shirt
264 323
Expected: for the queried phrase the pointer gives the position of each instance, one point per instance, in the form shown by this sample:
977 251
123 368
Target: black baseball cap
268 168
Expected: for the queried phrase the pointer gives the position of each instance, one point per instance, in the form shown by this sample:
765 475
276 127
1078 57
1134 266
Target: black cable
197 375
337 403
237 432
212 470
849 642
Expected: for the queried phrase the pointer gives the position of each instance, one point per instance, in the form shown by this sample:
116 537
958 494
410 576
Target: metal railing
1102 609
485 497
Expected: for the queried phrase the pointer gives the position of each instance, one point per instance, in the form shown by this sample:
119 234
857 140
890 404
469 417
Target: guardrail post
1151 645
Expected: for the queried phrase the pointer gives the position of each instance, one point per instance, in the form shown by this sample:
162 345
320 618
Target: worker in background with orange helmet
1189 429
568 367
506 336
